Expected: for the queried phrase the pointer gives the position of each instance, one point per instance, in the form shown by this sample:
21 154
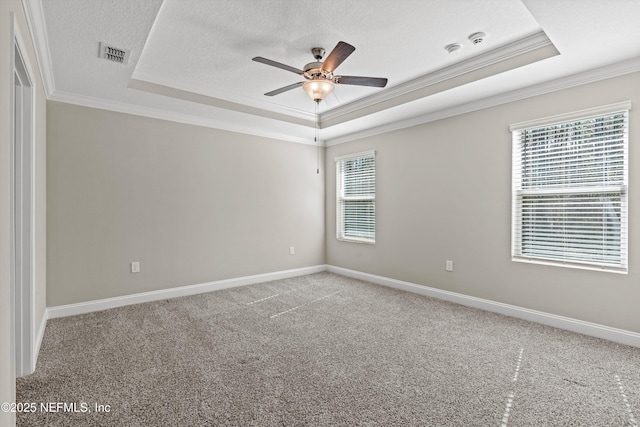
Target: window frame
341 232
591 189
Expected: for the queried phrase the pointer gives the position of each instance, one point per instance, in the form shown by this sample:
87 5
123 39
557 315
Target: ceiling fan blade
277 65
360 81
283 89
337 55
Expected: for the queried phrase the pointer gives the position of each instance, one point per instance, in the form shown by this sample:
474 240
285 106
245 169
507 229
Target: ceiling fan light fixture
318 89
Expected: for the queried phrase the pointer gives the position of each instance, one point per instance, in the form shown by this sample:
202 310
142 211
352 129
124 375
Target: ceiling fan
320 79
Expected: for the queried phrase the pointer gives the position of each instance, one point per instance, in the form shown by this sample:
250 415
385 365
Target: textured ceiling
191 59
213 49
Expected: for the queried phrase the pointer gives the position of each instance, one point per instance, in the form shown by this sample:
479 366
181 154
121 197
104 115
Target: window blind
570 192
356 197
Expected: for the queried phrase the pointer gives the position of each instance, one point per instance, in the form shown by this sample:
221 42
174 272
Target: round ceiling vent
477 38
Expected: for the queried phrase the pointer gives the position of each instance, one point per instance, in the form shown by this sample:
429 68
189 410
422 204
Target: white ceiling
191 61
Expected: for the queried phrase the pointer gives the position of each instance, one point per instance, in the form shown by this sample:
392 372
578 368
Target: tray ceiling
190 60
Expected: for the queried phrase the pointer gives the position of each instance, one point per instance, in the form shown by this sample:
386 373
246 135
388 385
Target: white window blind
570 192
356 197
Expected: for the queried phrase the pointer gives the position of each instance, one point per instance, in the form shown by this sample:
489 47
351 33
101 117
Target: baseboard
107 303
39 337
587 328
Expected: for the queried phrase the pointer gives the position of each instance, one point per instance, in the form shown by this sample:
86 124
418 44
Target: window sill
567 264
356 240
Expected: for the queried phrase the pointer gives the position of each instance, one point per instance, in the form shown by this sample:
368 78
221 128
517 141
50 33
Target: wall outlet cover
448 265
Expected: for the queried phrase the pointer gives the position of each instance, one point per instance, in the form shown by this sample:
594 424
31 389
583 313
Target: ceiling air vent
114 54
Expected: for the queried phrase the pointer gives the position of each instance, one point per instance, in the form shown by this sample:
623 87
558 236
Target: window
570 189
356 197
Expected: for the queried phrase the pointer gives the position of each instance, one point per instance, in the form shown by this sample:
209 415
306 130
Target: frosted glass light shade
318 89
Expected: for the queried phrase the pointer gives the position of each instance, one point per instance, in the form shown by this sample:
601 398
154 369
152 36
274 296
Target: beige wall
11 12
191 204
444 193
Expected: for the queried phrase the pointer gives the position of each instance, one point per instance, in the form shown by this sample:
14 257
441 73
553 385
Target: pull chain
317 137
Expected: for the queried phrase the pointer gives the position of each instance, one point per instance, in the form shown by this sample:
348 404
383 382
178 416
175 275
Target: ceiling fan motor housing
313 70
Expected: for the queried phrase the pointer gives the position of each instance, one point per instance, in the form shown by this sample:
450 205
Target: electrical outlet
292 250
135 267
448 265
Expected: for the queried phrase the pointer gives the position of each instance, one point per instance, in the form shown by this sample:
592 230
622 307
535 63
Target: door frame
22 205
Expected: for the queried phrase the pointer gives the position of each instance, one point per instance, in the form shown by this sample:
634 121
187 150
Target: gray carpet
324 350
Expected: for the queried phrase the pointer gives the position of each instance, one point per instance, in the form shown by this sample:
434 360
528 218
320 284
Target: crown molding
121 107
415 88
591 76
192 96
35 20
177 89
531 48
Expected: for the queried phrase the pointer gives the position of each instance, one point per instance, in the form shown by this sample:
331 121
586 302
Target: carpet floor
323 350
